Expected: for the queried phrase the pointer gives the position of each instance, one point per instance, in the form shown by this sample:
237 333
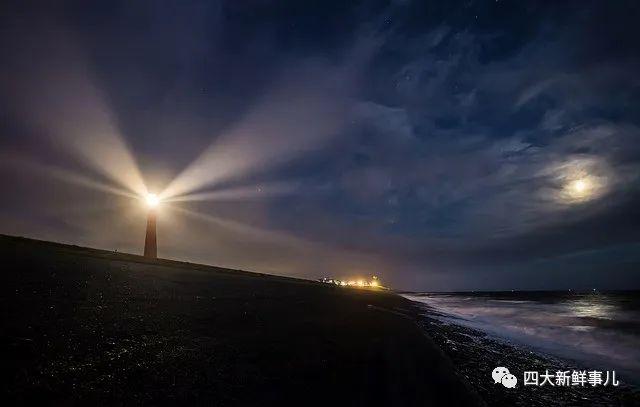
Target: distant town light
374 283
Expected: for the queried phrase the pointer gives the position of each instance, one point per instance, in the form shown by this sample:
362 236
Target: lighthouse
150 241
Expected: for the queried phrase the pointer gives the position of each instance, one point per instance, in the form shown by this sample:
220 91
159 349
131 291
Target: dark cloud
434 143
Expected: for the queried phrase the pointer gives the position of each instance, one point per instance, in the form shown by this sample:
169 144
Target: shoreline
475 353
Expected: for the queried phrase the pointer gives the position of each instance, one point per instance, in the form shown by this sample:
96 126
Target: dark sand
82 326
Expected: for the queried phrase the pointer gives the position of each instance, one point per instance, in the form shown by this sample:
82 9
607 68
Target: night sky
440 145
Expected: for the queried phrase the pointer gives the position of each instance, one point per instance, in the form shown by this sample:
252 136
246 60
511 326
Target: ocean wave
601 331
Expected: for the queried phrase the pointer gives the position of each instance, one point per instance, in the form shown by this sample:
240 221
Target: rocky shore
475 354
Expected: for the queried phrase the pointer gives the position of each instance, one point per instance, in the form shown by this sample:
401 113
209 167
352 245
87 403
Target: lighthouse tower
150 242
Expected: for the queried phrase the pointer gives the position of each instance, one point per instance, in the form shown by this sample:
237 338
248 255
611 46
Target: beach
476 331
83 326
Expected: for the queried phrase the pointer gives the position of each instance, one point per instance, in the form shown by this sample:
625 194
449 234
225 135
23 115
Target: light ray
242 228
240 193
60 100
66 176
289 246
295 118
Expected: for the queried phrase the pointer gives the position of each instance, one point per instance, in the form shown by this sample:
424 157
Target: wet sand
83 326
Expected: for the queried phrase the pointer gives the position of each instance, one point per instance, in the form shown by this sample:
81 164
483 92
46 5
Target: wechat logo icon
502 375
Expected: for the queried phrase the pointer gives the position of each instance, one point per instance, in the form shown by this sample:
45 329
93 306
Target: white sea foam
601 332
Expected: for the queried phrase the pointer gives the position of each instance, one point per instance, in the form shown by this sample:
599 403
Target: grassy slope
84 326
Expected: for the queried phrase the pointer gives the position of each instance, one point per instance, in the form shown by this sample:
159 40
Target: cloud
439 148
472 158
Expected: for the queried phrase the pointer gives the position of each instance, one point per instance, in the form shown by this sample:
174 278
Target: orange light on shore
361 283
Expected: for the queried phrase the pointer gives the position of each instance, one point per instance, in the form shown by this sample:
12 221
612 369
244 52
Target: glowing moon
578 180
580 186
582 189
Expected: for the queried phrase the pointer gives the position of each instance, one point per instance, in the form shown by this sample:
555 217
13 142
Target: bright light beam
66 176
295 118
238 227
270 236
240 193
59 99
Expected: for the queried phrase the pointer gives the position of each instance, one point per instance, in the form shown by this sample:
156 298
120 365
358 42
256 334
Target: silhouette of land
85 326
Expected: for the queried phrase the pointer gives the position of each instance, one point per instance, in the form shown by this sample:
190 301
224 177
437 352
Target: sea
596 330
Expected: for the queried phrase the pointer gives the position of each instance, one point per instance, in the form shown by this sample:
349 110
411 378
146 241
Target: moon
580 186
585 188
579 180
